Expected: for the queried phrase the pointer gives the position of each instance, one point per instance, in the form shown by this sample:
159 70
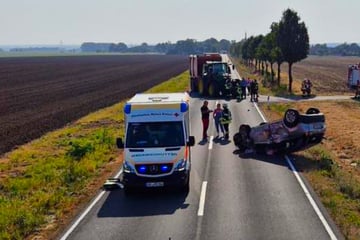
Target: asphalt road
248 197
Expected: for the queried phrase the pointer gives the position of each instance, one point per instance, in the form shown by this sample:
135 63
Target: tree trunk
266 68
290 78
279 69
272 72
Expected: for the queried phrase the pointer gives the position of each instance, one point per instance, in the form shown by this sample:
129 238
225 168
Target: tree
276 53
293 40
245 50
262 54
252 49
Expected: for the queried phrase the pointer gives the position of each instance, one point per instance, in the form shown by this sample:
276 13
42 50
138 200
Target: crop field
39 94
328 74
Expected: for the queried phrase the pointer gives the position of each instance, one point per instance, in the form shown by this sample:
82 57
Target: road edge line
87 210
311 200
306 191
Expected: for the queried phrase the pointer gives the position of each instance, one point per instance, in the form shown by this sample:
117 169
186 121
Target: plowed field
328 74
44 93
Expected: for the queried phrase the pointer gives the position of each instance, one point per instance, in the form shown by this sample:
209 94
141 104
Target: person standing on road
243 85
217 116
248 84
254 88
205 113
226 120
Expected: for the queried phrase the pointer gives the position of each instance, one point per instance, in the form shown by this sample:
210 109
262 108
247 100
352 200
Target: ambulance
157 142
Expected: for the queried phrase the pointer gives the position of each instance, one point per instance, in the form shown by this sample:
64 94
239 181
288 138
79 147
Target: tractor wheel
212 90
201 86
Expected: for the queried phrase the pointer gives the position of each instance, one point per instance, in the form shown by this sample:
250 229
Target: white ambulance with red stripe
157 141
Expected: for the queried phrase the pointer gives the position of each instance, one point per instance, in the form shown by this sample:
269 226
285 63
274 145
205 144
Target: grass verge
333 167
47 181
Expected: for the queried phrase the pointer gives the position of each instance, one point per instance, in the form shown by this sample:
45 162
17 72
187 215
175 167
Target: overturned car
293 133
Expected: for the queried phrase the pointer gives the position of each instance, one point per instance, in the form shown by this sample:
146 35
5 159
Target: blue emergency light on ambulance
157 141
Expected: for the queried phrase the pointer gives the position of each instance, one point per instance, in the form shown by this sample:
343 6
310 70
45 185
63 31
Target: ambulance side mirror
233 67
119 143
191 141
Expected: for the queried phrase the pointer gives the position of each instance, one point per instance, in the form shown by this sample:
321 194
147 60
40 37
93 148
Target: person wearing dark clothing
226 120
254 88
205 114
248 84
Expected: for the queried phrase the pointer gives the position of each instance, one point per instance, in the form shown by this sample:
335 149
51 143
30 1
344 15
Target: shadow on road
148 202
296 97
221 140
277 159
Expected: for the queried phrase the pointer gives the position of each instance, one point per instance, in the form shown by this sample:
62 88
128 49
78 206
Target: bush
79 149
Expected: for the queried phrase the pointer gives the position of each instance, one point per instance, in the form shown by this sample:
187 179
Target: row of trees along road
288 41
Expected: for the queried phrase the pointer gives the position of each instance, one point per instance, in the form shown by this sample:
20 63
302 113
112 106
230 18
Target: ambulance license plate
154 184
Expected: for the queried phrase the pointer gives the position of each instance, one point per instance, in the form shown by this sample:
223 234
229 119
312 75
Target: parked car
293 133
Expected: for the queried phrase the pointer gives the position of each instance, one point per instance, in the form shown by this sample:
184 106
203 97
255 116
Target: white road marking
306 191
311 200
202 199
211 142
83 215
261 115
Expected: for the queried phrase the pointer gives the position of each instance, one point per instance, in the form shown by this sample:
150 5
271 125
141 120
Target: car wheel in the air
291 118
312 111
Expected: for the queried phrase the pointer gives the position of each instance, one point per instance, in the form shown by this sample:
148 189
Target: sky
30 22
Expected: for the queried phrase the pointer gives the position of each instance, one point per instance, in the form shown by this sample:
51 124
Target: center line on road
202 199
211 142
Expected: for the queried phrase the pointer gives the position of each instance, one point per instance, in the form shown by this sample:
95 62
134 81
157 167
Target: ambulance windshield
155 134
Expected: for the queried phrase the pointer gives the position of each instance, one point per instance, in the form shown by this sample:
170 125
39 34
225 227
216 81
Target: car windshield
155 134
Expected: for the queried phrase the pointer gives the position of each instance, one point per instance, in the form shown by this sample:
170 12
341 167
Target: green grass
44 179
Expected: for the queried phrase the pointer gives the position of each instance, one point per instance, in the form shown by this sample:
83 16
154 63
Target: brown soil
328 74
39 94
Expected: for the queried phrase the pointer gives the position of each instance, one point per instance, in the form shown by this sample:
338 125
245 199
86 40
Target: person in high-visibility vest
226 119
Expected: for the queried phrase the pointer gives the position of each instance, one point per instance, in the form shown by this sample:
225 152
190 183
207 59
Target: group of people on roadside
247 87
240 88
222 119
